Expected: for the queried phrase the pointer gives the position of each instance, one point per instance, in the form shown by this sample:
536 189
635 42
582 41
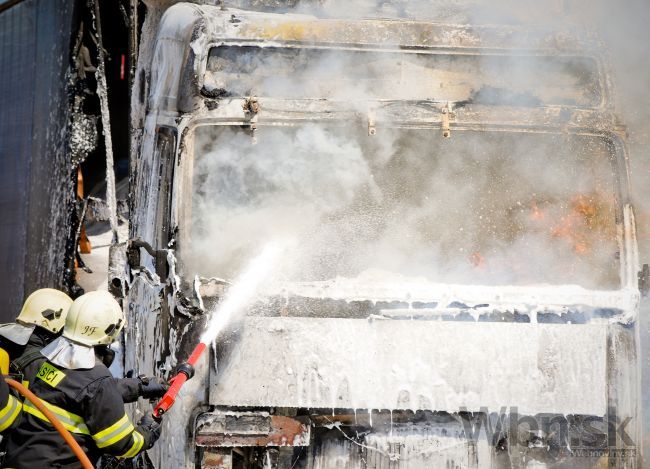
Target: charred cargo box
465 257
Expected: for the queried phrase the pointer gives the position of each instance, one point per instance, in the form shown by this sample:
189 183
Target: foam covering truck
462 283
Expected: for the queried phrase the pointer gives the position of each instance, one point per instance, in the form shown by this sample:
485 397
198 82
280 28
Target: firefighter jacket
89 405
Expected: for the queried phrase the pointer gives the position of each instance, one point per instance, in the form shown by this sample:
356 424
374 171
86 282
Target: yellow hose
69 439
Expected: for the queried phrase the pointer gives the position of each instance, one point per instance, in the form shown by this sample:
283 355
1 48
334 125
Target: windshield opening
488 208
313 73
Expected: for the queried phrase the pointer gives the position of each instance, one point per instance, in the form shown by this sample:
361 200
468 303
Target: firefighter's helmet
47 308
95 318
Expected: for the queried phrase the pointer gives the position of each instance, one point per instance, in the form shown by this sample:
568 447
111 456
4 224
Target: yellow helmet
95 318
47 308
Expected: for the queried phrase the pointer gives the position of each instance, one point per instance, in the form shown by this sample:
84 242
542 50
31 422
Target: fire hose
69 439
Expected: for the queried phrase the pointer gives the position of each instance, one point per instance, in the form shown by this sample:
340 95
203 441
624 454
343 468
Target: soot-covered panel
34 177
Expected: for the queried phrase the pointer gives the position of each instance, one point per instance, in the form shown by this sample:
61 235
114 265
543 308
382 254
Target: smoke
481 208
477 208
624 28
359 76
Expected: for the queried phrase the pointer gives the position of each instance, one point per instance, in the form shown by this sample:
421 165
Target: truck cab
461 283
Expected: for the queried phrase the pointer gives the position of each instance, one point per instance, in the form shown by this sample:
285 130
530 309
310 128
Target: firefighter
40 321
74 383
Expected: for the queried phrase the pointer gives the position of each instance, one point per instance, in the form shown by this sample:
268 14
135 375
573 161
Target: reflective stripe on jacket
9 407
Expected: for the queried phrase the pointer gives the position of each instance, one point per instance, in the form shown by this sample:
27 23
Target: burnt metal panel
236 429
35 179
17 45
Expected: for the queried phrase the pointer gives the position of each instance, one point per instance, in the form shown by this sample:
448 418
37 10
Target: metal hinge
372 129
251 108
448 115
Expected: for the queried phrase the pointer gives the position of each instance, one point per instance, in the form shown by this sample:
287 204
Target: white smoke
406 201
479 208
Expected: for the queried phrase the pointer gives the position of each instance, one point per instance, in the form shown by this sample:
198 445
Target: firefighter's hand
152 387
150 429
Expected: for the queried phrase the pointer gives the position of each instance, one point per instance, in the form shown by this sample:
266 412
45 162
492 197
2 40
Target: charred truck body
463 292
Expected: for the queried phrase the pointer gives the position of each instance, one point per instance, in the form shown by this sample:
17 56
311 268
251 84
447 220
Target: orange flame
569 228
478 260
584 219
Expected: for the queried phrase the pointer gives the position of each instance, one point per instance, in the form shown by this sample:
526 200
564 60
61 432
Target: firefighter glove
150 429
151 387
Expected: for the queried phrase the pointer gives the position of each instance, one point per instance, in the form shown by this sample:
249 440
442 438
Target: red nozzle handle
185 372
196 353
170 396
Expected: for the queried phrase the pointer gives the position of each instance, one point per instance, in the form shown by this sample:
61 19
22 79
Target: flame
477 259
569 228
585 206
585 220
584 224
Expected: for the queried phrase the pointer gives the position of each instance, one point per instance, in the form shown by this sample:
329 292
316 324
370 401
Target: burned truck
461 288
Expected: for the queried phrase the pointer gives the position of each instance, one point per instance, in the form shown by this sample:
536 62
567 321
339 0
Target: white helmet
47 308
95 318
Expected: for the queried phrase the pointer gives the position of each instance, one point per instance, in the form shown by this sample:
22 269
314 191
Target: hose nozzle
184 372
